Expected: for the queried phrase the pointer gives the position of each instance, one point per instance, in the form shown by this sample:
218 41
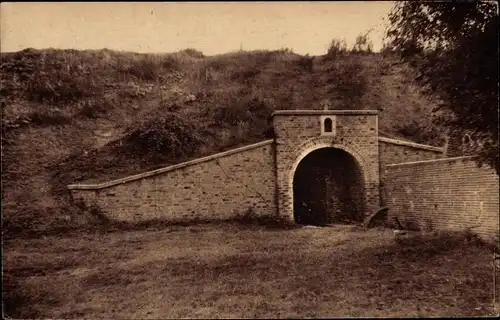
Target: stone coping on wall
325 112
166 169
424 162
410 144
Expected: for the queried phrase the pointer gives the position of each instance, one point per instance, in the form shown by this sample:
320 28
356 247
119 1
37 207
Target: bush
362 44
250 117
232 115
336 48
306 63
420 132
163 134
48 77
249 108
285 50
193 53
152 67
348 83
45 89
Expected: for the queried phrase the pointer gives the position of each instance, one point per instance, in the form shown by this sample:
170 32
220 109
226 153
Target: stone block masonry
450 193
215 187
300 132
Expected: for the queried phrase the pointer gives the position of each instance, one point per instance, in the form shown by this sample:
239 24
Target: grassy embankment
71 116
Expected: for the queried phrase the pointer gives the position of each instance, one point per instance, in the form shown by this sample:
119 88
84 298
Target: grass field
234 271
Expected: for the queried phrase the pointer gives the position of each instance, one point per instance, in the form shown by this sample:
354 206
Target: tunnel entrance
328 187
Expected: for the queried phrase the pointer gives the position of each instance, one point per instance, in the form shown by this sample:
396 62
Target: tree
454 48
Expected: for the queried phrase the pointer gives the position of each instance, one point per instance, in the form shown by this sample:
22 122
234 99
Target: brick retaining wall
450 193
215 187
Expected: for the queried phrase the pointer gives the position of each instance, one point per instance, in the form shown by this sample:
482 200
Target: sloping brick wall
397 151
451 193
215 187
393 151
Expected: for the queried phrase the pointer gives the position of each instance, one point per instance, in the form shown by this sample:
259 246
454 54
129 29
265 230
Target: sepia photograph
250 159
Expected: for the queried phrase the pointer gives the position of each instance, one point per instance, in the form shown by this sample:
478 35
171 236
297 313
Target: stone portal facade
298 133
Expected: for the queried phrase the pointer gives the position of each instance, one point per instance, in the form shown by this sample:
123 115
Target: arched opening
328 125
328 187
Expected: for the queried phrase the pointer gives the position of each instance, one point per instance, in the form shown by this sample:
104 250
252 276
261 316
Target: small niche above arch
328 125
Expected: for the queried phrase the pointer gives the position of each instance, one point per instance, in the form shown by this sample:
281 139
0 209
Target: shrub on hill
193 53
163 134
347 82
337 48
151 67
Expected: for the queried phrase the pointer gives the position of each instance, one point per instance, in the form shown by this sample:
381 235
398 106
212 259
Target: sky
211 27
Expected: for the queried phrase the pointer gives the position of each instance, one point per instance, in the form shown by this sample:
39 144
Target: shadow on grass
265 222
100 223
432 270
23 301
426 274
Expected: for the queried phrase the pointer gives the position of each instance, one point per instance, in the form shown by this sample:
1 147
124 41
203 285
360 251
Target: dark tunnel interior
328 187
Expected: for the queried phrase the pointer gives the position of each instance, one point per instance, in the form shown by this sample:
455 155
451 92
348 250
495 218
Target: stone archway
328 187
300 132
287 169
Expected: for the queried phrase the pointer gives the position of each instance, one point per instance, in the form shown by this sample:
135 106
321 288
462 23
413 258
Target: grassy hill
70 116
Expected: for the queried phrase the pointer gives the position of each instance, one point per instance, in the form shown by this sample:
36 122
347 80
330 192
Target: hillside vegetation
71 116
